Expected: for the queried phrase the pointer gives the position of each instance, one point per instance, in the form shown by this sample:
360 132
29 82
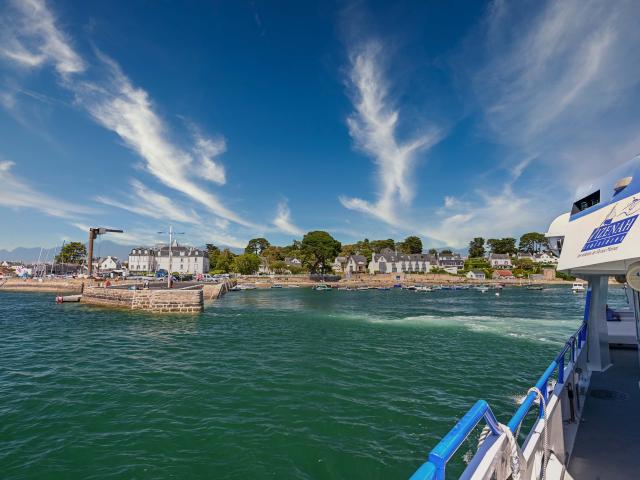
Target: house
293 262
500 261
184 259
356 264
476 275
108 264
388 261
503 275
264 268
450 262
546 258
339 264
142 259
525 256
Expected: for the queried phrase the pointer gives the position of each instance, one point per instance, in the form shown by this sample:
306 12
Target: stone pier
161 300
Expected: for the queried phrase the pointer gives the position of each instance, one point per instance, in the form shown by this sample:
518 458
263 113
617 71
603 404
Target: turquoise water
287 383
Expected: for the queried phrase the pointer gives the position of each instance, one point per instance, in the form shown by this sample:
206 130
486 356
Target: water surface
287 383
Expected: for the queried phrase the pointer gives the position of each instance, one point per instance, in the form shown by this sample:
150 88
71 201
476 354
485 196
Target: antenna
171 234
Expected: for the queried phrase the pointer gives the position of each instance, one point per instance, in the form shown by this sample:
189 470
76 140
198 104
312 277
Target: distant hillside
30 254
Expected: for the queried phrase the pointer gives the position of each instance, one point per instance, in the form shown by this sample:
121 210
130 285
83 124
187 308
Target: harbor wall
216 290
162 301
49 285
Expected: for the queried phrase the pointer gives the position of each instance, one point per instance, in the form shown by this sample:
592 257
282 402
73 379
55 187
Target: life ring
633 276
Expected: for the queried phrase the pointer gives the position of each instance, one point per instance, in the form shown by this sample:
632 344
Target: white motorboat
577 287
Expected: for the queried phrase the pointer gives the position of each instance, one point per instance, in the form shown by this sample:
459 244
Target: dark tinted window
586 202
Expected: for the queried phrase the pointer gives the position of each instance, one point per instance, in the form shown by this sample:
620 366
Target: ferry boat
587 401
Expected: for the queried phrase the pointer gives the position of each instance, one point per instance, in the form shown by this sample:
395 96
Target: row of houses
184 259
505 261
389 261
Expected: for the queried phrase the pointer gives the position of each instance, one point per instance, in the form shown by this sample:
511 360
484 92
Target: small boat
384 288
423 288
482 289
534 287
236 288
276 285
410 287
322 287
363 288
246 287
68 298
293 286
577 287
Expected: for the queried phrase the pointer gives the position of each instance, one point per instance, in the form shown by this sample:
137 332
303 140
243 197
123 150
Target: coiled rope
516 464
516 460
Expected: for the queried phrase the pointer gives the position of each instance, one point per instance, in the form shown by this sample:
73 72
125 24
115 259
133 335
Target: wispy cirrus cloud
30 39
558 82
114 102
17 193
149 203
374 128
283 220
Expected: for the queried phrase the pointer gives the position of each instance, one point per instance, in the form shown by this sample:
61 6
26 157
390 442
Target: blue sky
233 120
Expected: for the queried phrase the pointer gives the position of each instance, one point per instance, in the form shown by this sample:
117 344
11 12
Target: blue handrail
434 467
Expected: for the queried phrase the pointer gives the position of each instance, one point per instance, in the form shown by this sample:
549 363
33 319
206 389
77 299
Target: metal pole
170 270
92 236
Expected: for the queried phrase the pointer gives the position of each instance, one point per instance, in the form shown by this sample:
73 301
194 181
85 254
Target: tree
378 245
319 249
533 242
72 252
433 251
502 245
257 245
213 253
476 247
411 244
224 262
246 264
446 251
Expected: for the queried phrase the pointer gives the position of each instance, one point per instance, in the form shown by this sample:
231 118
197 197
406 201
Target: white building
545 258
339 264
389 261
476 275
108 264
500 261
184 259
356 264
142 259
450 262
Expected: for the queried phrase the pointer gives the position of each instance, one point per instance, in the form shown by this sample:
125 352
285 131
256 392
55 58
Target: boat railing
434 468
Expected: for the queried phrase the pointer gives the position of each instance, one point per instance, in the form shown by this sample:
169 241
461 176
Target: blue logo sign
609 233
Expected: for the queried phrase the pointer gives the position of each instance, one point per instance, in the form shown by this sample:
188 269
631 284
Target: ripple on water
285 384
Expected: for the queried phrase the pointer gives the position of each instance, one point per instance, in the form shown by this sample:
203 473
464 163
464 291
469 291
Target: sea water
285 383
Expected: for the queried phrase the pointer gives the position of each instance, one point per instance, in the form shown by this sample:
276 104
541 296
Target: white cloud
373 127
147 202
206 150
559 82
283 220
118 105
16 193
31 39
492 214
